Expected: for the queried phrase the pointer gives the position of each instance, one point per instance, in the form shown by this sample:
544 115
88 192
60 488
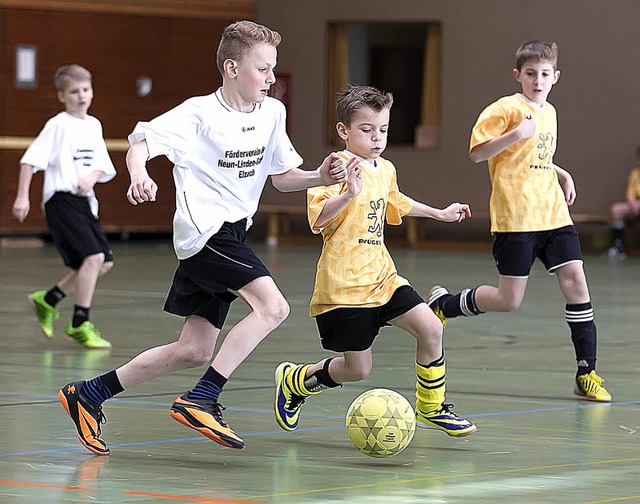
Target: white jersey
222 159
67 149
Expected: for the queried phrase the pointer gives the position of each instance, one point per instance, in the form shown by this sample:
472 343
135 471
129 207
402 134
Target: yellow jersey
355 268
633 184
525 192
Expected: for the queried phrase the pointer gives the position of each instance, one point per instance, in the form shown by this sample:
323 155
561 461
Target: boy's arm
142 187
21 205
335 205
455 212
496 145
333 170
566 182
86 183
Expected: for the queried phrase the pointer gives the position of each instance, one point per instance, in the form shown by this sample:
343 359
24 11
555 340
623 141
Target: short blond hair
537 50
67 73
238 39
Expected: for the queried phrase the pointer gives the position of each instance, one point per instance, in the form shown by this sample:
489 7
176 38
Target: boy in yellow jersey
357 289
622 211
529 207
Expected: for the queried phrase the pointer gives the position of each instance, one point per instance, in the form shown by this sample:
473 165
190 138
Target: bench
278 216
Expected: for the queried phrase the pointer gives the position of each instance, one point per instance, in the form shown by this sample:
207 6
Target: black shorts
515 253
355 329
202 284
76 232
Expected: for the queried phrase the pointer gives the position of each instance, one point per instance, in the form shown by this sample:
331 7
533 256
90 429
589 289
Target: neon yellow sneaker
445 419
590 386
44 311
87 335
437 293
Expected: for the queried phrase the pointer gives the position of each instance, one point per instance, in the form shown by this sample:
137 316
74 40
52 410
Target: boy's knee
279 310
106 267
94 261
359 372
194 355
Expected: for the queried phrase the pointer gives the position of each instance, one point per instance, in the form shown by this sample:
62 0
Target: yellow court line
445 477
21 143
615 499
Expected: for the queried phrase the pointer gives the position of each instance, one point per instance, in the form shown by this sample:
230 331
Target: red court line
187 498
38 485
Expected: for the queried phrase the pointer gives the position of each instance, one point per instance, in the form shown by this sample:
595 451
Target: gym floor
512 374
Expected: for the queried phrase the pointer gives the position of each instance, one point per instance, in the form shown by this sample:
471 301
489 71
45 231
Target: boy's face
77 97
248 81
537 78
366 136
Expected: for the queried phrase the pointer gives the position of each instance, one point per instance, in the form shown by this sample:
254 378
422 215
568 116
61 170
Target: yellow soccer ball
380 423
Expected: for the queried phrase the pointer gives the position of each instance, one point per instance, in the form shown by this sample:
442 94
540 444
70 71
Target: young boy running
223 146
357 289
72 153
529 209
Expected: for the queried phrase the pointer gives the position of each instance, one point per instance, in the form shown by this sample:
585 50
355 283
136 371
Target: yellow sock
430 386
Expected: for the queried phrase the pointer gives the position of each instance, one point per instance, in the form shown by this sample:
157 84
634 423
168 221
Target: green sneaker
445 419
44 311
87 335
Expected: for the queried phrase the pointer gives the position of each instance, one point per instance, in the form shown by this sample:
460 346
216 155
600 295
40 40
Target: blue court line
280 432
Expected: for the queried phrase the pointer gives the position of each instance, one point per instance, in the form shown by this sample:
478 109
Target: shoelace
101 419
295 402
448 408
216 410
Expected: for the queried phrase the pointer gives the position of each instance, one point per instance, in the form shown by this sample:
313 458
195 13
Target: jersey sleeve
285 156
169 134
398 204
491 123
317 197
40 151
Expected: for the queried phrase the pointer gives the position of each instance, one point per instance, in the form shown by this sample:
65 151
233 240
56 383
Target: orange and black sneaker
205 416
87 418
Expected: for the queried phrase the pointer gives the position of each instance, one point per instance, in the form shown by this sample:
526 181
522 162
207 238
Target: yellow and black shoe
445 419
590 387
86 417
290 394
205 416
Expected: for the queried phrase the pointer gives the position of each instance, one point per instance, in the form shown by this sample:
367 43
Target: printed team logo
545 147
376 217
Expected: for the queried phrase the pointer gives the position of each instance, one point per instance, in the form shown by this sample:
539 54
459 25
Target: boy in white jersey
357 289
223 146
72 153
529 207
623 211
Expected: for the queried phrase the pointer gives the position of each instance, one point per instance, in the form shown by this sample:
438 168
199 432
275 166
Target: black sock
321 379
101 388
617 235
54 296
583 335
80 315
463 303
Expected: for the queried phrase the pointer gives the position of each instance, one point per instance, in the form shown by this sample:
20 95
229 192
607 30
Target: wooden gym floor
511 373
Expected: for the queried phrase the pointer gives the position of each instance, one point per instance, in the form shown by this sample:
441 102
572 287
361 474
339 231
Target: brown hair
354 98
67 73
536 50
238 39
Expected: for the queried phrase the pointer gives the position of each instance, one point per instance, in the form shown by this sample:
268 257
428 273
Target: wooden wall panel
179 55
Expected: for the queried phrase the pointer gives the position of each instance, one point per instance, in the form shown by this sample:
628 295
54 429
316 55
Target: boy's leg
83 400
431 410
80 328
580 318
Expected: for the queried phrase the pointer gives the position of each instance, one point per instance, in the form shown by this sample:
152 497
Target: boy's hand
142 189
527 127
354 181
86 183
20 209
334 170
455 212
569 189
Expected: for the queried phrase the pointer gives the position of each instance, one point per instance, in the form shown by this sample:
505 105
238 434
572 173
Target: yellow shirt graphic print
355 268
525 192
